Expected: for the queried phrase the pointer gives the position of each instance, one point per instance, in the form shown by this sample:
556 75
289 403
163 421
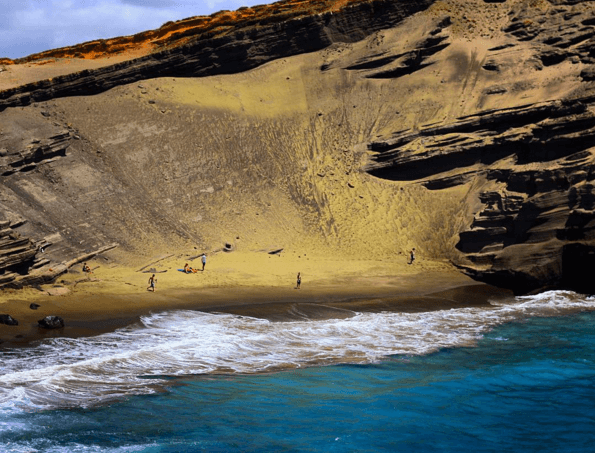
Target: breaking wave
139 359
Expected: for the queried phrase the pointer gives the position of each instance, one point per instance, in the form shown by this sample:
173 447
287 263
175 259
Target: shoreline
106 313
242 283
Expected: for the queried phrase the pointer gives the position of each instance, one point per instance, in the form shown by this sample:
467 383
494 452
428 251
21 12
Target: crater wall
462 128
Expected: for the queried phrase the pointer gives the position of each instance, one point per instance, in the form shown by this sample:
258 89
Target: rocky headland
356 129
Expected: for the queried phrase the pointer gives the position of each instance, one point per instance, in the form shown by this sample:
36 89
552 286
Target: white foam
77 448
87 371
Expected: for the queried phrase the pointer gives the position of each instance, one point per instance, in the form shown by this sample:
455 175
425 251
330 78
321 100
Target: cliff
531 164
357 128
224 44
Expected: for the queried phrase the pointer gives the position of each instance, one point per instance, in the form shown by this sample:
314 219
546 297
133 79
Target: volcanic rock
8 320
51 322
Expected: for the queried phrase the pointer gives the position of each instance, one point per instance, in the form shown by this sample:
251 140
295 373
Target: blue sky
31 26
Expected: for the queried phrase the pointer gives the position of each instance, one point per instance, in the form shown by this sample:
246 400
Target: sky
32 26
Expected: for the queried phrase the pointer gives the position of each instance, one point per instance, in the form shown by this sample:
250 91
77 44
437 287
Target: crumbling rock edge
537 229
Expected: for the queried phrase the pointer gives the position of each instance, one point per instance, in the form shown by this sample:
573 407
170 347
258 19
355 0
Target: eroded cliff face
526 151
461 128
240 43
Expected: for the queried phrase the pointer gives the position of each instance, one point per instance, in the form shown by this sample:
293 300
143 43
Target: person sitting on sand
189 270
299 281
87 269
152 281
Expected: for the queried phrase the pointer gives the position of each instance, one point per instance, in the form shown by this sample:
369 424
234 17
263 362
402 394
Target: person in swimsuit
152 281
299 281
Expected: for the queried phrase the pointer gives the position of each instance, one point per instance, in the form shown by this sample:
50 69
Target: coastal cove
365 356
241 283
307 226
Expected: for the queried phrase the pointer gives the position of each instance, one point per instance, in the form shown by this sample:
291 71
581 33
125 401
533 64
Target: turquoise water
524 384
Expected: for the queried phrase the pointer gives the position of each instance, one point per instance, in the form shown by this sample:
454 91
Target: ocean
517 376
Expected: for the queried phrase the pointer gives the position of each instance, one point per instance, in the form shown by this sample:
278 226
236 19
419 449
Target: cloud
31 26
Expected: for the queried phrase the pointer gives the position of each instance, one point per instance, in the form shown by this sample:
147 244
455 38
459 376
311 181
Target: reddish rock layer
173 34
292 30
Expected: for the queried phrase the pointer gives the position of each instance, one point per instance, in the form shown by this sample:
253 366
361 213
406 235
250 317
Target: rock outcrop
35 153
538 221
17 254
8 320
51 322
532 165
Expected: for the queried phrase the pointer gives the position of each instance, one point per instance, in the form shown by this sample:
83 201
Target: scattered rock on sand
51 322
8 320
34 306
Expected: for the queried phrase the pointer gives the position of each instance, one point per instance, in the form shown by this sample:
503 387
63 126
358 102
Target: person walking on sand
203 259
412 256
299 281
152 281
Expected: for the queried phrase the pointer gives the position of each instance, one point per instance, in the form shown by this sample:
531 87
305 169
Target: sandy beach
252 284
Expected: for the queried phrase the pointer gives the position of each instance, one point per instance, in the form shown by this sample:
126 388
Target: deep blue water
527 386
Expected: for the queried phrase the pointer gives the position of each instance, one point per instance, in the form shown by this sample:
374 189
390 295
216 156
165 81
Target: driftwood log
49 274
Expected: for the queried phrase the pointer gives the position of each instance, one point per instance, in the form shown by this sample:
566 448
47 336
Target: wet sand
93 306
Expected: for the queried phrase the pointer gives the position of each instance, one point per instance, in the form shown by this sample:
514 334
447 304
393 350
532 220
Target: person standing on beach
412 256
299 281
152 281
203 258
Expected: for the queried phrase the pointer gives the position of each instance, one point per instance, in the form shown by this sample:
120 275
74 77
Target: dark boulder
34 306
8 320
51 322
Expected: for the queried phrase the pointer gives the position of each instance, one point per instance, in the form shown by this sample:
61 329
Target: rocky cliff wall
244 46
464 130
531 165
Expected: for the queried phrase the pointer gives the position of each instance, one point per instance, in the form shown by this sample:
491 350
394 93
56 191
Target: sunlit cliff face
352 128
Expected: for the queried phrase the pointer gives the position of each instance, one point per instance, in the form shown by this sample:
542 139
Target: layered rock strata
466 130
531 166
17 254
244 46
537 165
19 257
